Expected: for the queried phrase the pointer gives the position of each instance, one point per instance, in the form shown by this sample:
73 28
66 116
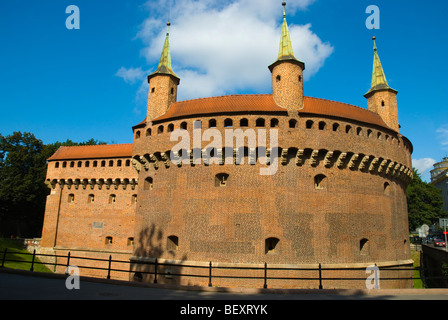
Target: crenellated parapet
373 164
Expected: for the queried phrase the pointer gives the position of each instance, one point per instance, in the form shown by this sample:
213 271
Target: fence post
422 269
320 276
210 275
68 263
265 275
32 261
108 269
155 272
4 257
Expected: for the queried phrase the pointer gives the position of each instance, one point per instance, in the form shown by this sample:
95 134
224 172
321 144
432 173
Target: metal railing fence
156 272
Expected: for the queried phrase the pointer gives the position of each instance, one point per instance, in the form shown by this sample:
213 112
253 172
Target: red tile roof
93 152
266 103
223 104
341 110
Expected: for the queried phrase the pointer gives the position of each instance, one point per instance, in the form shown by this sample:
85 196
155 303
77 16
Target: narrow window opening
244 122
278 78
221 179
137 135
271 245
170 127
292 123
274 123
108 240
148 185
322 125
153 90
386 188
228 122
56 165
130 241
172 90
172 243
148 132
183 125
111 163
118 163
335 126
212 123
95 164
348 129
309 124
160 130
364 246
382 103
91 198
134 199
260 122
112 198
71 198
319 181
359 131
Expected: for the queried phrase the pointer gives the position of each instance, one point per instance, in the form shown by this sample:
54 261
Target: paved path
29 286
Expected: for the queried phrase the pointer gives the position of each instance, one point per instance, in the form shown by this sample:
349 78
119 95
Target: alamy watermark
373 21
73 279
373 280
228 149
73 21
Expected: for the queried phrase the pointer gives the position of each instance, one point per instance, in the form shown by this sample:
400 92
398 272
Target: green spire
378 76
285 50
165 59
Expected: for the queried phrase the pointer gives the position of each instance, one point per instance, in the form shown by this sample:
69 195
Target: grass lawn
22 258
415 255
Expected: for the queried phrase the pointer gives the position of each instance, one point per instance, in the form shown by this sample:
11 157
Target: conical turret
287 73
381 98
162 84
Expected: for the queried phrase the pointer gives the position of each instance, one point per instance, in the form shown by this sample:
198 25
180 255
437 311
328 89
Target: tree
424 202
22 188
23 167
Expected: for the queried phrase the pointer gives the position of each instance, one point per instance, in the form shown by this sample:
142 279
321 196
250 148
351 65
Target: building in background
439 178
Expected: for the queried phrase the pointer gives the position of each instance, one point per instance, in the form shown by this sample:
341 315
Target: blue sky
90 83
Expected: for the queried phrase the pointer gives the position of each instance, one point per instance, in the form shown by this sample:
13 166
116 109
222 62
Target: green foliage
22 172
23 191
424 202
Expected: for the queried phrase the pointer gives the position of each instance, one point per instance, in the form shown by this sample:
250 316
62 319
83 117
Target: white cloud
423 166
131 75
223 46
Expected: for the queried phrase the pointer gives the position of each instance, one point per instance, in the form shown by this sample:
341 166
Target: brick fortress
337 198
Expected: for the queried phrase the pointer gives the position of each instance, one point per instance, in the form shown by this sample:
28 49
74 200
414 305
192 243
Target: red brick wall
82 223
231 224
